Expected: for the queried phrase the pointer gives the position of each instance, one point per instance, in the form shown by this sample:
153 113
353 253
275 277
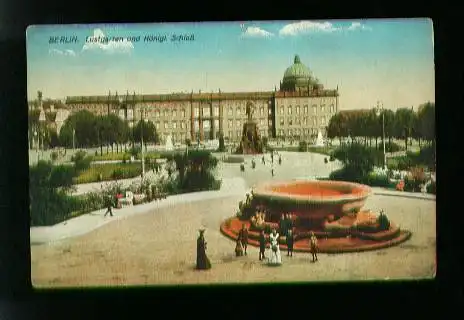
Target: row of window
262 122
238 133
171 125
306 109
305 121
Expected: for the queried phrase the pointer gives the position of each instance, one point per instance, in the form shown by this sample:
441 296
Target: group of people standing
274 252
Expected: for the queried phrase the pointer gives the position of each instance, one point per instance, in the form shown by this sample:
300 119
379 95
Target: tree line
84 129
364 126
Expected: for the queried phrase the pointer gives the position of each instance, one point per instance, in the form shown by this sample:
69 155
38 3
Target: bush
303 146
109 171
48 186
358 160
390 147
81 161
234 159
383 221
54 156
432 188
415 179
377 180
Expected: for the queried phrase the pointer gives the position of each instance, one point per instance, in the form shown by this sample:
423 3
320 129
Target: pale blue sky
390 60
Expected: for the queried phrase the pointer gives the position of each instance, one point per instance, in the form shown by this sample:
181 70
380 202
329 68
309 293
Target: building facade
298 110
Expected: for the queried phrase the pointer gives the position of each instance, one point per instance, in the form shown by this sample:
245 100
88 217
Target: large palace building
299 109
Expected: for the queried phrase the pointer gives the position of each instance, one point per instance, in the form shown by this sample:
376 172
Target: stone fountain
330 209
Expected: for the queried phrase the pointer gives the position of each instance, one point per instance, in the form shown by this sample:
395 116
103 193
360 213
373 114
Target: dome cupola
297 75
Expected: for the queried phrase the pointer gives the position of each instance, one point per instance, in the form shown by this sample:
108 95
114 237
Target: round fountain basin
312 199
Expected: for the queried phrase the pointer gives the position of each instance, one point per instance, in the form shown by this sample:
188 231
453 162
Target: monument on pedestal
319 139
169 145
251 142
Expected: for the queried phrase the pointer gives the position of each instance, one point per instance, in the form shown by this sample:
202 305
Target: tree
404 124
48 187
86 128
426 117
195 170
149 132
358 160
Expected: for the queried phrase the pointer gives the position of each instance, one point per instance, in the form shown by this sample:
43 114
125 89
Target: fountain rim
259 191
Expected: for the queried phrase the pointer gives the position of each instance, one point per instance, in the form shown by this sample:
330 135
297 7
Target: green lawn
124 155
109 171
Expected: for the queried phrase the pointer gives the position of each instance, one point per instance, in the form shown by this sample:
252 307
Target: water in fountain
169 145
319 140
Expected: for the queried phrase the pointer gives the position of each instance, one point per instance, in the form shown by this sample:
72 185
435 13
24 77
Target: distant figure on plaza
280 160
263 160
272 171
283 225
243 237
275 258
203 262
253 163
272 156
262 245
290 241
289 221
313 245
238 248
109 206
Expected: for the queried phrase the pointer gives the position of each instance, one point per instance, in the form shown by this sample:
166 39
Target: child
238 248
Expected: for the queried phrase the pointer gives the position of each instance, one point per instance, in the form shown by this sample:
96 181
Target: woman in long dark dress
203 262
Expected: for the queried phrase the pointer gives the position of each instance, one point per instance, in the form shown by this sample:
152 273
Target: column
200 121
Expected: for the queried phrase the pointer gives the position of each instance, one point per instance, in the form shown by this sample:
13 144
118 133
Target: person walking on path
109 207
243 236
313 245
203 262
262 245
238 248
263 160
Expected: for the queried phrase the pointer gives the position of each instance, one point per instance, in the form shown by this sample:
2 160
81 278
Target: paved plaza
155 243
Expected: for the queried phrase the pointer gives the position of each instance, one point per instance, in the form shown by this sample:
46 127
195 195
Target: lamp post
36 144
380 111
142 120
73 139
42 120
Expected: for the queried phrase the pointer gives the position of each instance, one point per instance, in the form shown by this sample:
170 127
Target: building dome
297 76
297 71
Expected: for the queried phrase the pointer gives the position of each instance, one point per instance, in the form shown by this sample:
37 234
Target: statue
251 142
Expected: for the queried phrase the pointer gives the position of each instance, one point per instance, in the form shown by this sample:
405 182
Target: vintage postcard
231 152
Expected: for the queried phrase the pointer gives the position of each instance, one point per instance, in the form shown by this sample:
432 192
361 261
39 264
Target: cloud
67 52
98 41
306 27
358 25
256 32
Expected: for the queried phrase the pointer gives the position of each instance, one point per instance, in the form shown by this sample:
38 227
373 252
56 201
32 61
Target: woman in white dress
274 256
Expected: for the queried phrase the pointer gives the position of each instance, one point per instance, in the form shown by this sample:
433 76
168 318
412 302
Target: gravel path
159 248
157 244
